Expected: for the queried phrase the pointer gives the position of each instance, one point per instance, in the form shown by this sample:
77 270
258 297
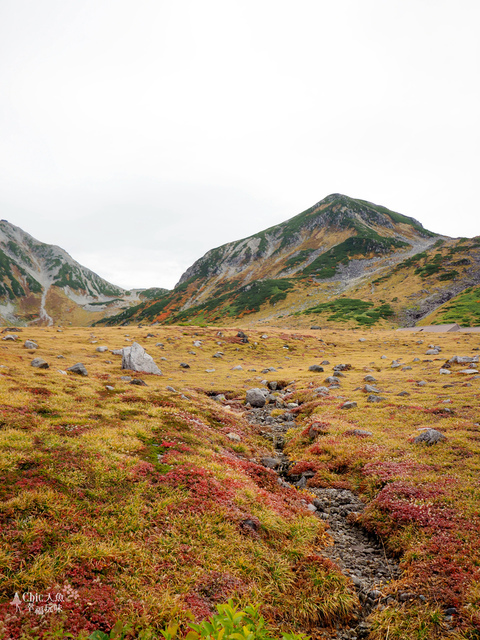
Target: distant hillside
42 283
335 245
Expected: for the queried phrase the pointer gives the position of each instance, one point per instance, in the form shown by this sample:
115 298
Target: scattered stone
29 344
362 339
325 362
445 372
361 433
432 352
316 367
272 385
395 365
243 337
109 388
61 357
78 368
39 363
332 380
256 397
469 372
324 391
403 393
126 378
315 328
237 368
370 379
269 369
209 370
234 437
348 405
11 337
101 349
169 388
219 354
406 368
374 398
429 437
416 360
383 357
116 352
220 397
271 463
184 365
135 358
138 382
197 343
422 383
369 389
342 367
463 359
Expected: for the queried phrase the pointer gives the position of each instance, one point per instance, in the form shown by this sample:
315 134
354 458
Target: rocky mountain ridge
39 281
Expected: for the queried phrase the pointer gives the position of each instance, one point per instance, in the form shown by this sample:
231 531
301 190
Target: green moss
325 266
298 258
347 309
463 309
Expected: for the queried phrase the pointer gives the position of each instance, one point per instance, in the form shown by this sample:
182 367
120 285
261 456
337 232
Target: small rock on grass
370 379
349 405
39 363
374 398
138 382
101 349
316 367
234 437
429 437
78 368
30 344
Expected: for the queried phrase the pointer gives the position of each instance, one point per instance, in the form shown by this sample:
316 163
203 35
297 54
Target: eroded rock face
135 358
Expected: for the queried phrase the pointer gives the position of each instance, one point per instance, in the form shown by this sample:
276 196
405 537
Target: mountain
42 283
363 262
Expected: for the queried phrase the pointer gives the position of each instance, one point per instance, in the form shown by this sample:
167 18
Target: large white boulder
135 358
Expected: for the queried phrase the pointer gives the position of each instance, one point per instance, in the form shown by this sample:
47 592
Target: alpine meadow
284 445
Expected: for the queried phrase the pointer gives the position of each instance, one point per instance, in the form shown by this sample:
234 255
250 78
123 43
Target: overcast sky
138 134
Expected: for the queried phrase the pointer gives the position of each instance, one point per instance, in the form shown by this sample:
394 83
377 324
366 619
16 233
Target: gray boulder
370 379
39 363
369 389
256 397
78 368
324 391
429 437
374 398
349 405
101 349
30 344
135 358
316 367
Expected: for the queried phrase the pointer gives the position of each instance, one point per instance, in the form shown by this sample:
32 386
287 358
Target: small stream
359 556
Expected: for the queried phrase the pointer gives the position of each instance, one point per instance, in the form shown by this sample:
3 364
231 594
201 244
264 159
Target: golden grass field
133 503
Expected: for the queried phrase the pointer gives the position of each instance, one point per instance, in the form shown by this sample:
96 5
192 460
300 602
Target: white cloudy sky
138 134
